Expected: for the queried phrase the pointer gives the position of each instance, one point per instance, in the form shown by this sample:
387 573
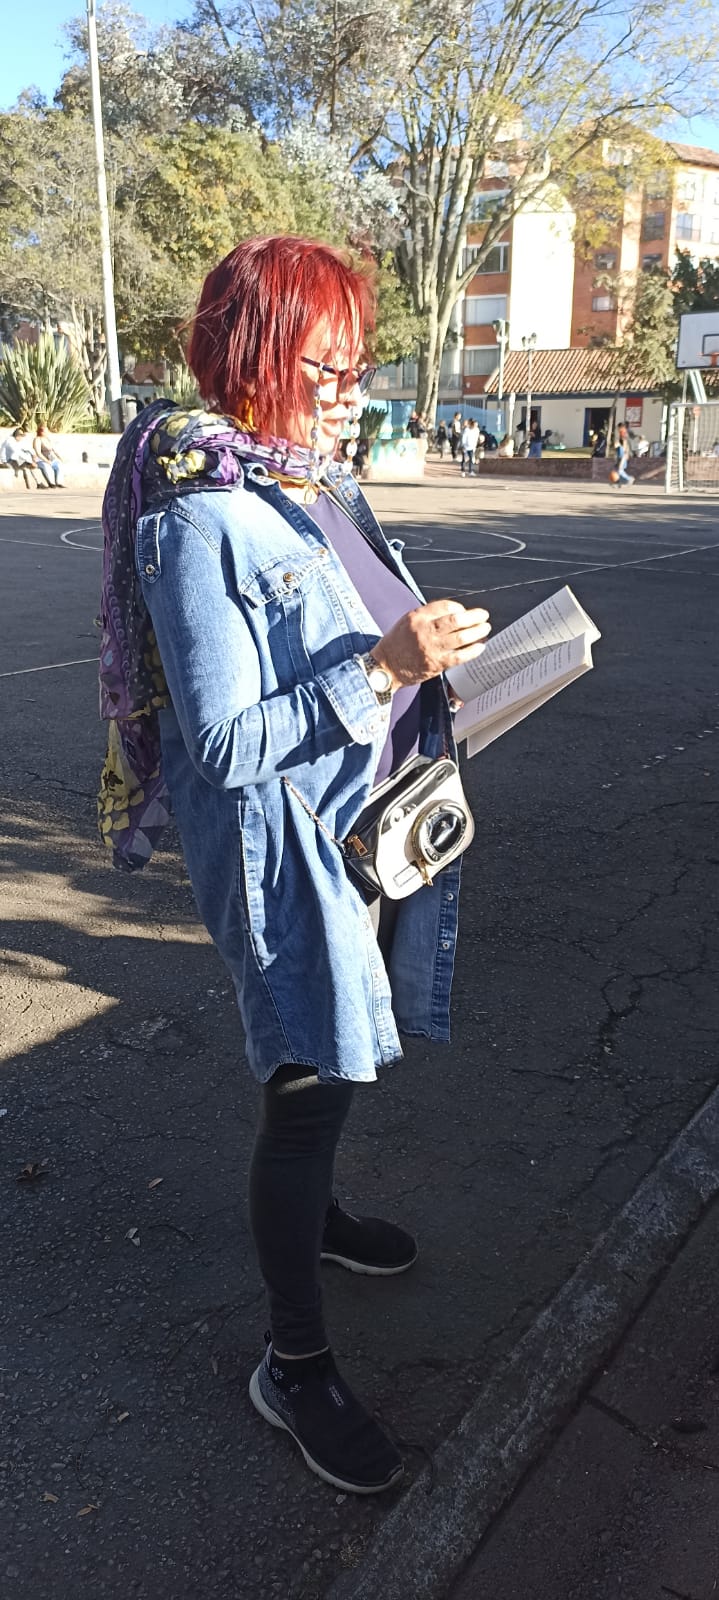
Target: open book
522 667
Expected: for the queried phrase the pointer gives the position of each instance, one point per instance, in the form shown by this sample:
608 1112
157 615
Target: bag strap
350 846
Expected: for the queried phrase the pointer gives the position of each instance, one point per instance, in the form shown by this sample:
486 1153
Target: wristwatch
377 677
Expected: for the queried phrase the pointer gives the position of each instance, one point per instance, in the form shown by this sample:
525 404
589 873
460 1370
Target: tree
157 79
490 95
49 231
183 202
650 339
399 329
695 283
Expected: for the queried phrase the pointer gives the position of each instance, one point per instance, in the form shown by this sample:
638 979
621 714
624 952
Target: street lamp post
501 333
113 379
529 343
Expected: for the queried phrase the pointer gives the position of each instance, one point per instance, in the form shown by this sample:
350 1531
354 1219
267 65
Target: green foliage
651 334
99 422
370 126
371 420
607 176
399 327
183 388
695 284
42 383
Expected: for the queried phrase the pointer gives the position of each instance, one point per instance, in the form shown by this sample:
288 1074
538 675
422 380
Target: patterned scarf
163 452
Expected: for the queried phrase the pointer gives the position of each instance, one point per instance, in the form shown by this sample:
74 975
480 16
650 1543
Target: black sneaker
367 1244
339 1440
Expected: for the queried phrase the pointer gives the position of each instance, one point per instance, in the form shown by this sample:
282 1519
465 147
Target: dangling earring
313 475
351 445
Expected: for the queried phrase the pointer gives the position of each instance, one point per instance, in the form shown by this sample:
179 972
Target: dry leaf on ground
32 1171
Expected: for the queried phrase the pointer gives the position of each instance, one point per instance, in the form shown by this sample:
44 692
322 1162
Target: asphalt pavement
585 1026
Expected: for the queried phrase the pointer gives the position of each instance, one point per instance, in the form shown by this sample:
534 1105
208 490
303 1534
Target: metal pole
680 425
113 381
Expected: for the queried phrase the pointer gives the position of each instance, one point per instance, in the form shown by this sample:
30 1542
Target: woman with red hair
266 659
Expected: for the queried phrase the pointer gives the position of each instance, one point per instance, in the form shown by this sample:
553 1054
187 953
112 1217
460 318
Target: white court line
479 555
608 566
53 666
75 544
38 543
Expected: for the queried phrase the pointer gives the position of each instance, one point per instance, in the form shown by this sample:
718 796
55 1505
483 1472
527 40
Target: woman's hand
428 640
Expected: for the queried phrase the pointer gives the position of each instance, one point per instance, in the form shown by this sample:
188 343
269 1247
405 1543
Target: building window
497 259
686 189
650 262
654 225
605 260
479 358
485 203
657 185
687 226
484 308
603 302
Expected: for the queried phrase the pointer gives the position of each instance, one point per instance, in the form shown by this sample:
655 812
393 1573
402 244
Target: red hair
255 312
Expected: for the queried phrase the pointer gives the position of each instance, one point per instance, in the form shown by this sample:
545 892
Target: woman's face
337 397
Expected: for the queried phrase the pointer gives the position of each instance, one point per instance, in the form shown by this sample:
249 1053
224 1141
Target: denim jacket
272 720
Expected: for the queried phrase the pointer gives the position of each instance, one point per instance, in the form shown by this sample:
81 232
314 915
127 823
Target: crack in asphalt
658 1442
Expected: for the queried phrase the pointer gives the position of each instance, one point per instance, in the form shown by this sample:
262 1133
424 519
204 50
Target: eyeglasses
347 377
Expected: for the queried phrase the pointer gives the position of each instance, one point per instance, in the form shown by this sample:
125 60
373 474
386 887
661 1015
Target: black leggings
291 1176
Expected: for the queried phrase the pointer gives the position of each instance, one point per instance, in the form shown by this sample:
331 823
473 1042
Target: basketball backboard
698 344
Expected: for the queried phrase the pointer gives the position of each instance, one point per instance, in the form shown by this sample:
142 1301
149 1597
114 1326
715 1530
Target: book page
501 724
554 621
535 682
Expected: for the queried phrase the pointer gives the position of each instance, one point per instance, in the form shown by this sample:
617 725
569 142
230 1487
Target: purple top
387 599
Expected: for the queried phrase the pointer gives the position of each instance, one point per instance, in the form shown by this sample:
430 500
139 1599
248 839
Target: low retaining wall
395 461
582 469
78 474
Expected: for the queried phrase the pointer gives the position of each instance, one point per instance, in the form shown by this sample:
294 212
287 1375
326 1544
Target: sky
37 57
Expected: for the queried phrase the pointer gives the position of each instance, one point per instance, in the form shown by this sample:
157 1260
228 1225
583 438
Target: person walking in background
622 452
49 460
455 434
442 439
470 440
535 441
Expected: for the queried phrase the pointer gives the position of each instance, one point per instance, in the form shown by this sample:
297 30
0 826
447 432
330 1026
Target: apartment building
526 280
678 209
537 279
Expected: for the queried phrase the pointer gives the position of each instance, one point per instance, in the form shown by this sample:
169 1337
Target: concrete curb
425 1541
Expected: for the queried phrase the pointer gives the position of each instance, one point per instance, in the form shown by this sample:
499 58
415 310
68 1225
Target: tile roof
695 155
577 371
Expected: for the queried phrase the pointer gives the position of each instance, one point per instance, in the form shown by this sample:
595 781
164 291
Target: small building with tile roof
574 391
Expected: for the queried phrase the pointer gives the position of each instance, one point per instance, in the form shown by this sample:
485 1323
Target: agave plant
183 388
372 419
42 383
